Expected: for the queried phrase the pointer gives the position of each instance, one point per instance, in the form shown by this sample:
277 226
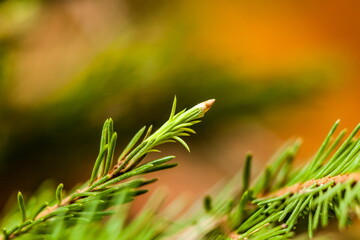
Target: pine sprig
106 182
326 188
284 197
280 200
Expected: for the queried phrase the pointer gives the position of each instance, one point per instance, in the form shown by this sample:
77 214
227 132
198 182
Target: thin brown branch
297 188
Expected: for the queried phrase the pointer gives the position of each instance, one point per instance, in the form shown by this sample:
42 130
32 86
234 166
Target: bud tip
207 105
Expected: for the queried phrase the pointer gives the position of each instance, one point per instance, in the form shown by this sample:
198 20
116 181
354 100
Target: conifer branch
283 197
327 187
107 183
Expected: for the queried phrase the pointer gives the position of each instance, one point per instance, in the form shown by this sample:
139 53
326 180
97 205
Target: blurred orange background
296 62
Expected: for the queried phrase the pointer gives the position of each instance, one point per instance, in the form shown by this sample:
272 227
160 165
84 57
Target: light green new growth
106 186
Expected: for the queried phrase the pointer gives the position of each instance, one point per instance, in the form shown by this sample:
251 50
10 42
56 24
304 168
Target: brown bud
205 106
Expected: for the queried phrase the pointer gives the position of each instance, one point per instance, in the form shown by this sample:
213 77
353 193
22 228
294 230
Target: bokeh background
278 70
